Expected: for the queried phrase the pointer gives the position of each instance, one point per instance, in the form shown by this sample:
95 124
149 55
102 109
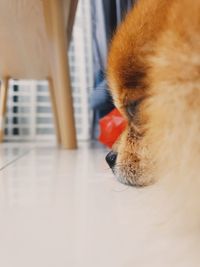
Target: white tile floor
64 209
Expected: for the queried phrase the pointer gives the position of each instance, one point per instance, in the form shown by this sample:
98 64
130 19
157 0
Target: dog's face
129 156
149 83
129 82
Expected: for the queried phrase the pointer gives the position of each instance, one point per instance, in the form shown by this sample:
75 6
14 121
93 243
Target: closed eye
132 109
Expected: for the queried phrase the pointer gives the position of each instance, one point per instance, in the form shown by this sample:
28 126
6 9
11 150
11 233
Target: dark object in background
106 15
101 103
15 111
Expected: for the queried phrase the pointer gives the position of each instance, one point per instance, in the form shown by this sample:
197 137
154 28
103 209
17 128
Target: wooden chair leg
65 112
60 76
3 103
55 110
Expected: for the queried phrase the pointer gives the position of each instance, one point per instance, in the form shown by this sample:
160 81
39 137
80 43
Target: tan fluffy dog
154 76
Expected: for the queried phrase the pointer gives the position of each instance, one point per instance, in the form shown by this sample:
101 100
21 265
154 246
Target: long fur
155 58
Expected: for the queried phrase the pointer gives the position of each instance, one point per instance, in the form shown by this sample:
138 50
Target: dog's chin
132 177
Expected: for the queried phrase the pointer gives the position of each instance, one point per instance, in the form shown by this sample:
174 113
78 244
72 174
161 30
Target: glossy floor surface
65 209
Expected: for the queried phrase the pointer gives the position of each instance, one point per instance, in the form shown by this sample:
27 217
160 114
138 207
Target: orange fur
155 58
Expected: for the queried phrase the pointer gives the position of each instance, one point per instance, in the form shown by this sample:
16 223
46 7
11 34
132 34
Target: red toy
111 127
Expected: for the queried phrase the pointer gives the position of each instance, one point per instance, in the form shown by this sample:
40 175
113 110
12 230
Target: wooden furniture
34 36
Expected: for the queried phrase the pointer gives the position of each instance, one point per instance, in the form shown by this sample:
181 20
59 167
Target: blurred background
29 112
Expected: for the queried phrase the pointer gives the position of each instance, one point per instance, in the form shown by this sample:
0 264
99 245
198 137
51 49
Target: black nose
111 159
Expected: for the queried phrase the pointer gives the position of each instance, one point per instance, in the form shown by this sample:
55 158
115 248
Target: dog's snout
111 159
